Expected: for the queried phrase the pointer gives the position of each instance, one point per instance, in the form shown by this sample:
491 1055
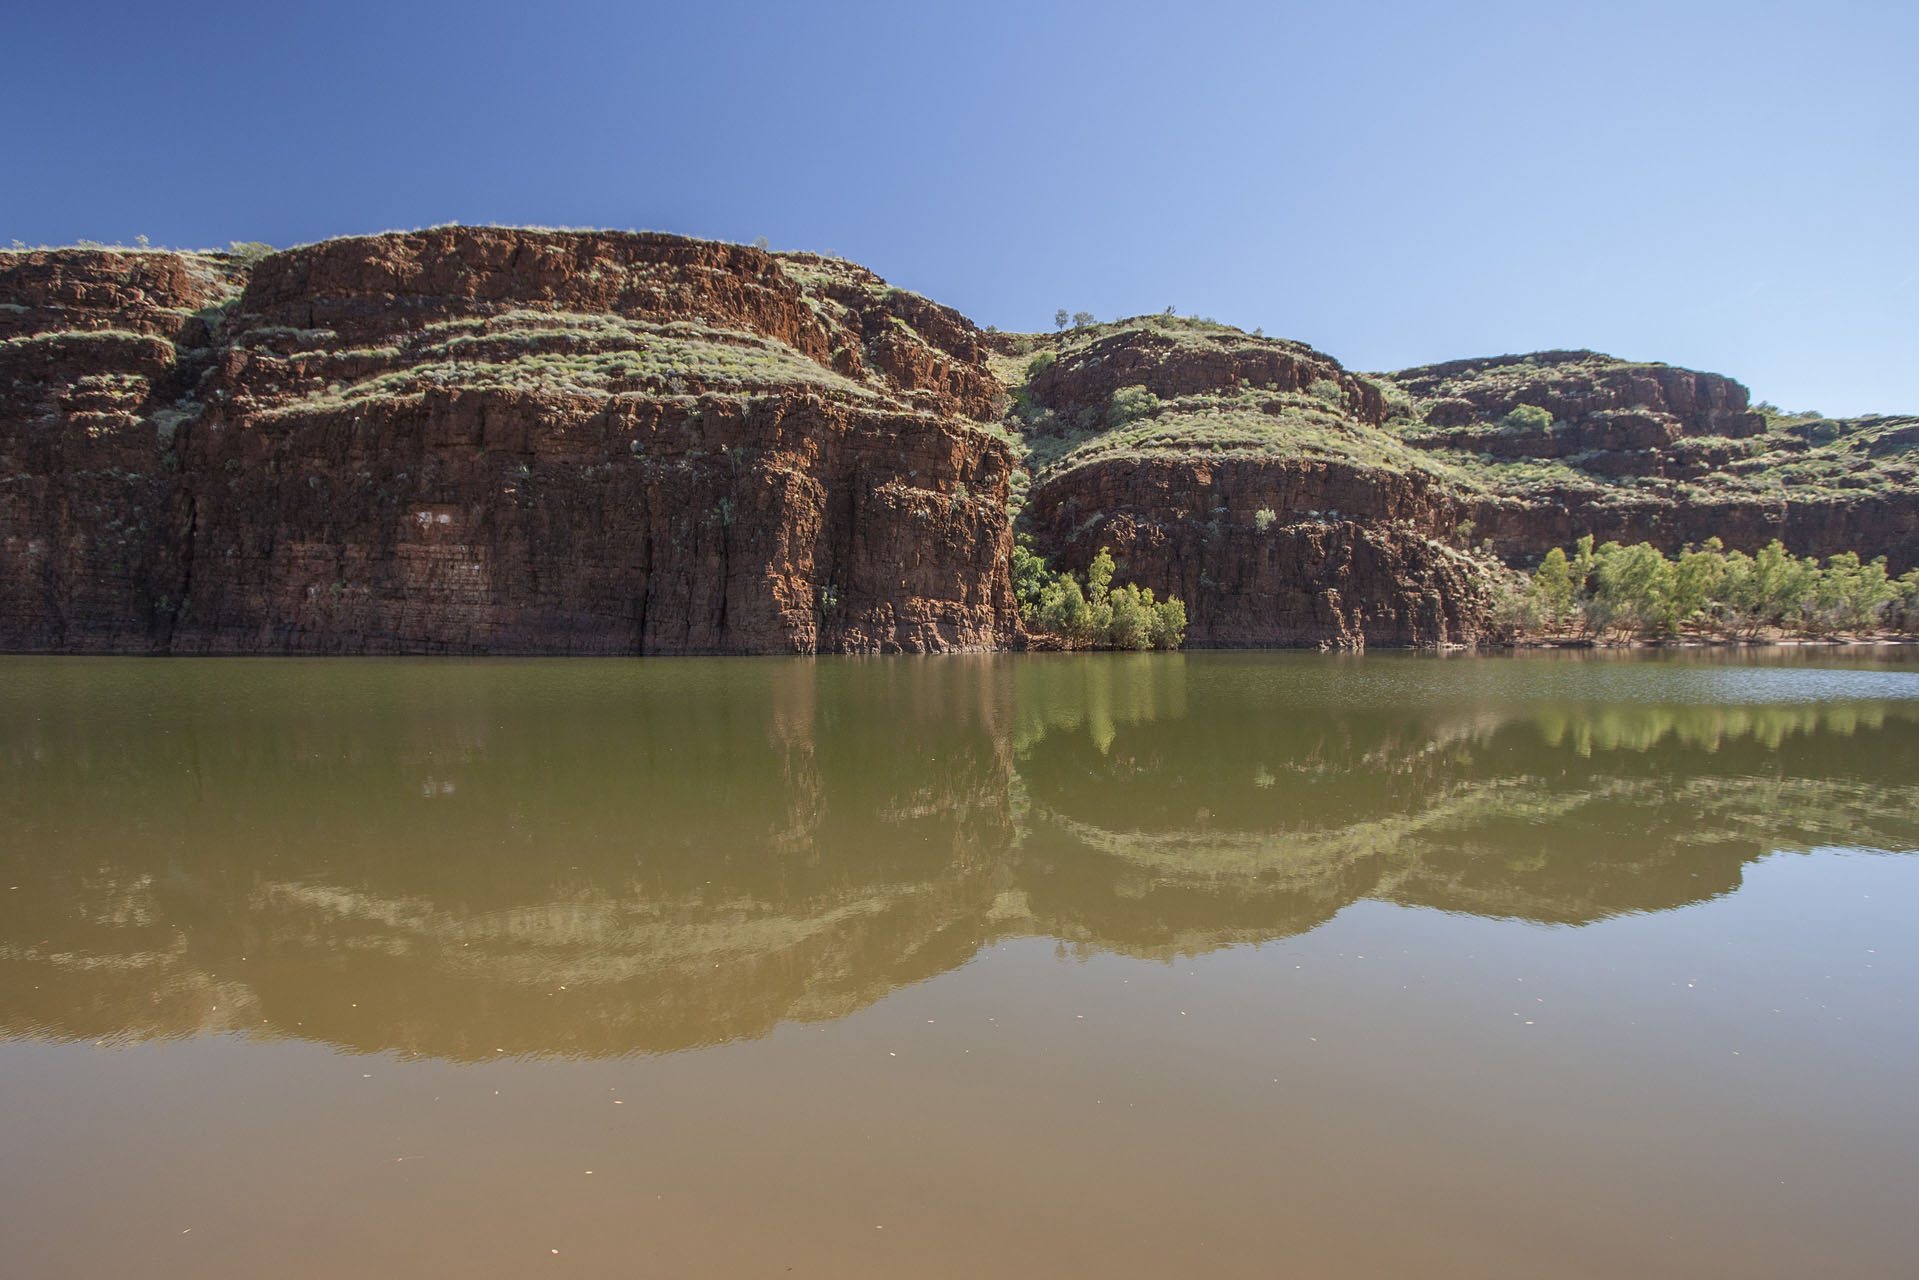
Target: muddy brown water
1200 964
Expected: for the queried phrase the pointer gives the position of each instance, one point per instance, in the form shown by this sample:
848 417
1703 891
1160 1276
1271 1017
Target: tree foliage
1095 613
1637 591
1128 404
1527 417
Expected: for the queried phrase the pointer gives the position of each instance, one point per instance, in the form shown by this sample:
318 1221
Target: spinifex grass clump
1098 614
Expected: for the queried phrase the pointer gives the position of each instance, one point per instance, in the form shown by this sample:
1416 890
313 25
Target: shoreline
1491 647
1871 640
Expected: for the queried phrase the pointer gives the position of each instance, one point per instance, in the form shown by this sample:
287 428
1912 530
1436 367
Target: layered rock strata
1252 480
100 353
1653 453
483 441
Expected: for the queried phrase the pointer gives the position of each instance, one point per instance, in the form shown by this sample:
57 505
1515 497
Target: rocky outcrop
65 291
493 441
100 352
1653 453
1576 385
488 440
1256 485
1305 553
1184 363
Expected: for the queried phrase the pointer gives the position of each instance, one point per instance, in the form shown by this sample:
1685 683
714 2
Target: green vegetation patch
1878 456
1251 423
1094 613
1638 591
568 352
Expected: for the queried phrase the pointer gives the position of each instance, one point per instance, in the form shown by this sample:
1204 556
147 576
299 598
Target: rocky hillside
1252 478
478 440
1292 502
98 352
1558 444
485 440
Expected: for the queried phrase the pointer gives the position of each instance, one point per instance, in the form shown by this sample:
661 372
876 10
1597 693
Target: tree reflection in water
601 858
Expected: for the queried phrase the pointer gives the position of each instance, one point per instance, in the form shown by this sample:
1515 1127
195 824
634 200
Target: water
1222 964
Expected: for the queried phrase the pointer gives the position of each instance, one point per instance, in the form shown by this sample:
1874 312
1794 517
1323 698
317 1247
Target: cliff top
565 311
1166 385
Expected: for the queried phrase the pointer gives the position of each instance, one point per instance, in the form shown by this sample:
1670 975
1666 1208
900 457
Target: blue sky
1728 186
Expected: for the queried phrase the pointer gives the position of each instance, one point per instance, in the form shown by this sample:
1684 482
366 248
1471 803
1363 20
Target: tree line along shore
1618 593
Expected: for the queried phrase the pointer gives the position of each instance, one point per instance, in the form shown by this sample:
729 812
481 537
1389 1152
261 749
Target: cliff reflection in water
456 860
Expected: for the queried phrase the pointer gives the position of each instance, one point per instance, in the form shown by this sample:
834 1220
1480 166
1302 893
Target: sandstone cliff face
99 355
483 440
478 440
1302 553
502 521
1256 486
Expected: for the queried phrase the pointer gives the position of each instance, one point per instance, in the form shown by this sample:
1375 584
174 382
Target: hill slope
484 440
492 440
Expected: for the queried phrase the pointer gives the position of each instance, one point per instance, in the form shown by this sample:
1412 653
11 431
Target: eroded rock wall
1257 486
493 441
1658 454
1576 385
100 355
488 440
1263 553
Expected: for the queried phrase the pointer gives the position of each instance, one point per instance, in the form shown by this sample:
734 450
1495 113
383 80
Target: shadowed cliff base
491 440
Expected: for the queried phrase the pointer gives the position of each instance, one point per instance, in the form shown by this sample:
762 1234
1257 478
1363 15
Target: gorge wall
1652 453
487 440
484 441
1228 484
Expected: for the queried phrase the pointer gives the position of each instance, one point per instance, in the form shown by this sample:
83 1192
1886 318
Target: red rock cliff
482 440
99 353
479 440
1250 478
1654 453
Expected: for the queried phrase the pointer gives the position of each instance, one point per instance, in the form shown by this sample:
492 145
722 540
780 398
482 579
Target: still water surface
1206 964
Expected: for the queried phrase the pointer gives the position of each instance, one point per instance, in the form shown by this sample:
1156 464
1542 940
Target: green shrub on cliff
1905 607
1129 403
1328 392
1129 618
1169 623
1527 417
1063 610
248 253
1632 586
1851 595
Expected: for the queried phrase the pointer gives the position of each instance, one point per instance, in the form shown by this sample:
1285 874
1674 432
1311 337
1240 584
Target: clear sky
1731 186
